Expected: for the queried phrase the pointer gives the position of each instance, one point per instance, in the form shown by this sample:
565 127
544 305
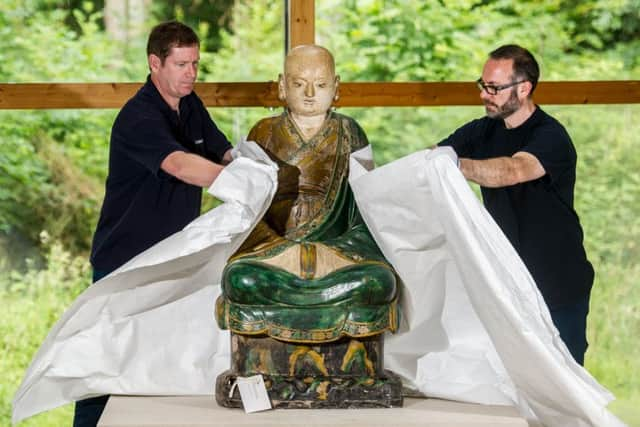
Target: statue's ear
281 88
337 84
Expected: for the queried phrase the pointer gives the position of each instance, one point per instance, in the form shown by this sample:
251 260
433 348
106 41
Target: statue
308 295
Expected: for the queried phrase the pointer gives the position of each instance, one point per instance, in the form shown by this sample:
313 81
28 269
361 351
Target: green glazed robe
313 204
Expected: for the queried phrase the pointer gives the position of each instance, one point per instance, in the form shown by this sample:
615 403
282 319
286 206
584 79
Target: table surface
165 411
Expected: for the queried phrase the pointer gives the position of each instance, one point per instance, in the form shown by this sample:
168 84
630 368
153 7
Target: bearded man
525 163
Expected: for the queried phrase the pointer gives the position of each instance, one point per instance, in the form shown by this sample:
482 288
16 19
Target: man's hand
444 151
230 155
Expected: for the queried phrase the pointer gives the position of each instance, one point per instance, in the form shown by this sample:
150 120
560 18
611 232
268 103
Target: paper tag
253 393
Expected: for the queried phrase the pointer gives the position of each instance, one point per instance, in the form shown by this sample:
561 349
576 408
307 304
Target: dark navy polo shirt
143 204
537 216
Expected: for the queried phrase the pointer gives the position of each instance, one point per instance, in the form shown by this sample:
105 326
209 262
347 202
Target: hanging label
253 393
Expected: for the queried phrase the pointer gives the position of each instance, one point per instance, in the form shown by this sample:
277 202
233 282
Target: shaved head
309 84
309 52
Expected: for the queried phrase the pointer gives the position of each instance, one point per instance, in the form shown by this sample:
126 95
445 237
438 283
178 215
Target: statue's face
309 84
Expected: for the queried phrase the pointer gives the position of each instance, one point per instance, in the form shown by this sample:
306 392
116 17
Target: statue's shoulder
354 132
262 130
265 122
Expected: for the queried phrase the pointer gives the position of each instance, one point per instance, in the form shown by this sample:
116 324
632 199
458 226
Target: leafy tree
253 51
50 159
210 17
598 25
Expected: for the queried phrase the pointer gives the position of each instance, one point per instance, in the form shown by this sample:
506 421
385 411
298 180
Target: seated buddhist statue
308 295
310 271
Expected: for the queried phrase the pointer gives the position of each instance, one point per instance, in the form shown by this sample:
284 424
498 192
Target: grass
32 303
627 410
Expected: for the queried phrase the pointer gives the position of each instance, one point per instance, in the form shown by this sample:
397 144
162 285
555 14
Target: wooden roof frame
300 29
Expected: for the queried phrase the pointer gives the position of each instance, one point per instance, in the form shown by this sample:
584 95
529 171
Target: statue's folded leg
356 301
254 282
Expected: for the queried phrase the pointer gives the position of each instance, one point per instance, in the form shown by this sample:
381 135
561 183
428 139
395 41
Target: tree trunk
125 19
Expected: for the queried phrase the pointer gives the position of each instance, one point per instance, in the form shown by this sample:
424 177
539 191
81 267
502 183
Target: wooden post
301 25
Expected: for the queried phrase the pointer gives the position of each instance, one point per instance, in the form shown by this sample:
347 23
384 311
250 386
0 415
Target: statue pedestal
348 373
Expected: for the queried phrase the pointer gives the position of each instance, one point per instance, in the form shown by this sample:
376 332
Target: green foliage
50 175
399 40
598 24
52 162
607 200
608 185
32 302
37 46
390 44
254 51
209 17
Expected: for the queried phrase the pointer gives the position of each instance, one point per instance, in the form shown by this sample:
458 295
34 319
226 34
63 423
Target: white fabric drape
477 328
148 328
474 327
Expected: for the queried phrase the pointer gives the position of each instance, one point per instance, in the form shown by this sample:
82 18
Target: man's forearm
191 168
502 171
496 172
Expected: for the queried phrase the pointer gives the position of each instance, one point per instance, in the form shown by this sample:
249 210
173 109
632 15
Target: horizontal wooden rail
20 96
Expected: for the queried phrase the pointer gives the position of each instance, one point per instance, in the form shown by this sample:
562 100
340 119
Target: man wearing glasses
525 163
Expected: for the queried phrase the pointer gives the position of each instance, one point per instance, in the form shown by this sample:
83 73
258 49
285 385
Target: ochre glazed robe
310 271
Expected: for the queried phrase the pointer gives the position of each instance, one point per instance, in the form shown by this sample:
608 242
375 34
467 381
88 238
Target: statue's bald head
309 55
309 85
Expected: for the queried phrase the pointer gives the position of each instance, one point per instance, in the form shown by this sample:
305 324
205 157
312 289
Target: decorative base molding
319 392
348 373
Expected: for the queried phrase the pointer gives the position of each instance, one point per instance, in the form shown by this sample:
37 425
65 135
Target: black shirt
143 204
536 216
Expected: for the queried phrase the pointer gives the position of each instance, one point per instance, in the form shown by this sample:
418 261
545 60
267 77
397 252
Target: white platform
168 411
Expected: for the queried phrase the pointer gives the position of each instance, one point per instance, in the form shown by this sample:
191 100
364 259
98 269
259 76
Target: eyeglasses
494 89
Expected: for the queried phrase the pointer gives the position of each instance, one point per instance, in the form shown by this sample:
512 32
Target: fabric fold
501 346
148 328
473 327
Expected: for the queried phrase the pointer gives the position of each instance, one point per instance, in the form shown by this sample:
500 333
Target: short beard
503 111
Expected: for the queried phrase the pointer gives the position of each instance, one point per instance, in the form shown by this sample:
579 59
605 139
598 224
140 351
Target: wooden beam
596 92
301 22
65 95
18 96
462 93
114 95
